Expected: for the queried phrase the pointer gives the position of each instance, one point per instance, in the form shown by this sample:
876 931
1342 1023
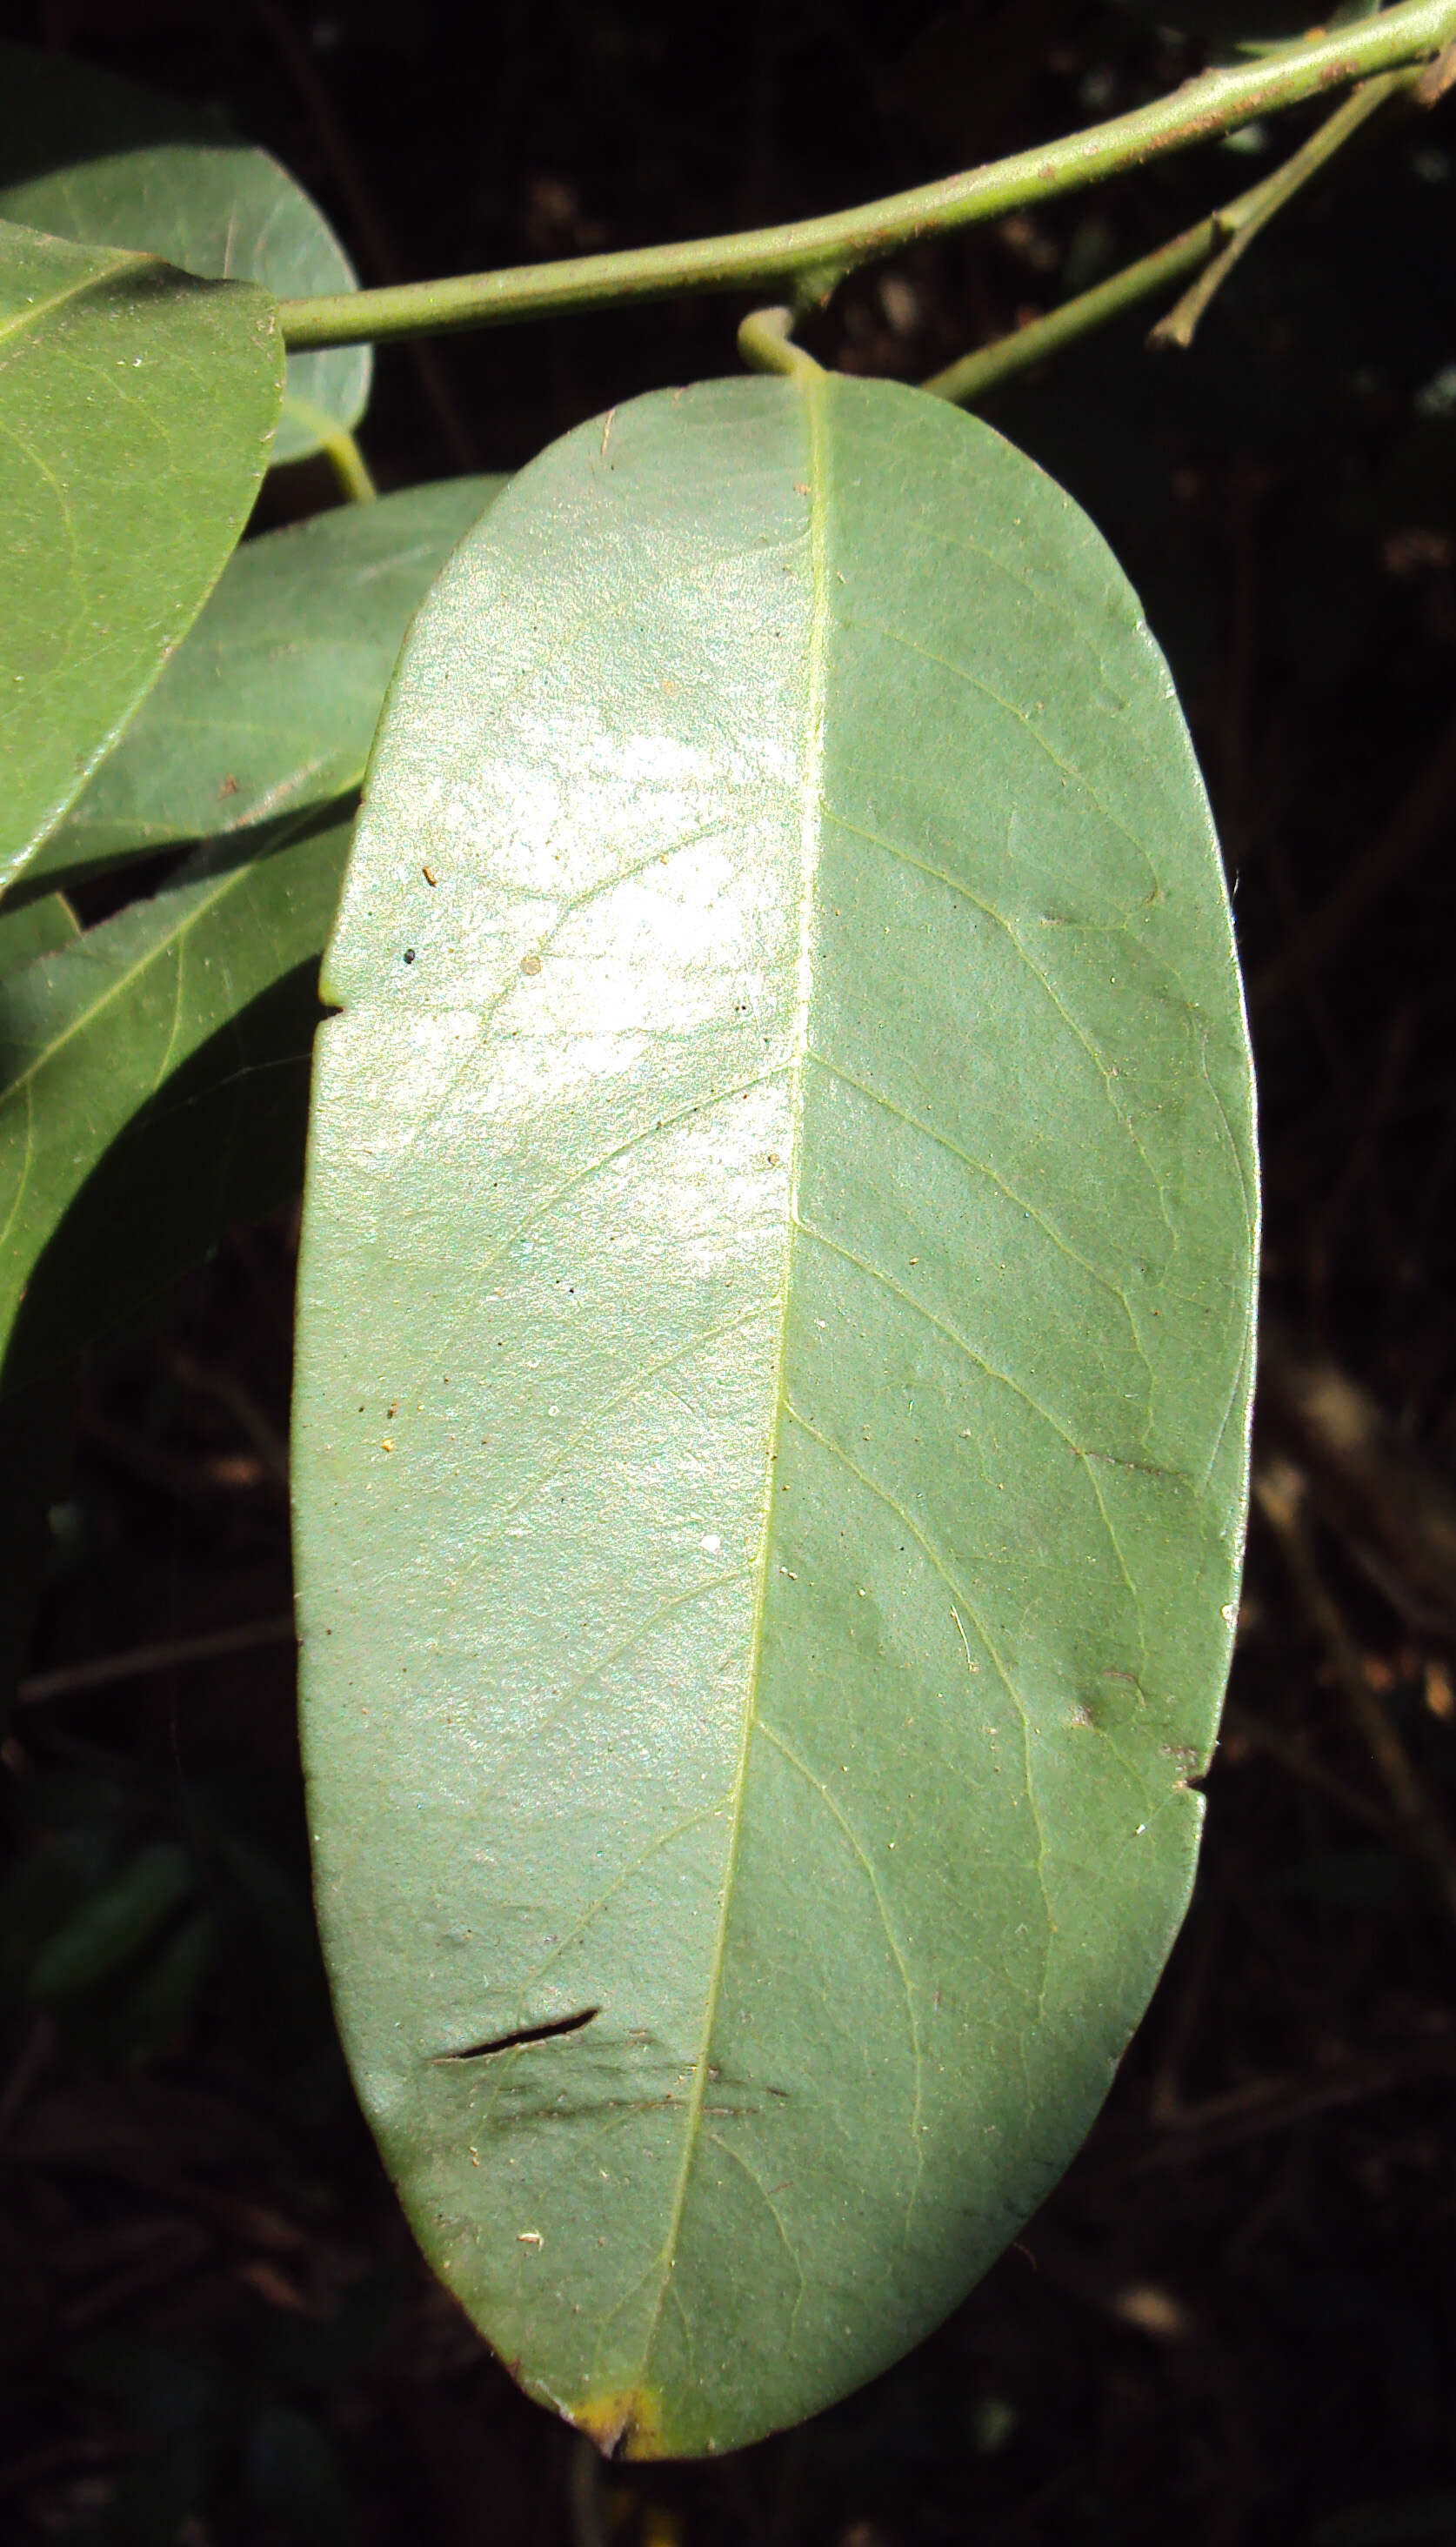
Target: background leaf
153 1085
38 928
92 158
114 1924
37 1424
272 702
136 409
774 1352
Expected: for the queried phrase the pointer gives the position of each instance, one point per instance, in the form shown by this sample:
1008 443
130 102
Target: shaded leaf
153 1086
37 1436
114 1924
77 1842
291 2469
93 157
774 1356
38 928
1395 2523
159 2003
271 703
136 408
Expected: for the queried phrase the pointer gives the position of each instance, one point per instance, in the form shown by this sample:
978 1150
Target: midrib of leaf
809 834
36 310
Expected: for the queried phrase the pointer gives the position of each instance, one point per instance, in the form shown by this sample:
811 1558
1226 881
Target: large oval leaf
272 702
136 409
94 157
775 1331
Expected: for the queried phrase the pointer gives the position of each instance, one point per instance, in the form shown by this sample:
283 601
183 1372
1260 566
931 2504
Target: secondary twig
831 246
972 375
1231 228
1240 222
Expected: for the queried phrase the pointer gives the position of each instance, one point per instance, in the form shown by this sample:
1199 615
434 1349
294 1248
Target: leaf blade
38 928
271 703
91 157
153 1088
125 494
708 1150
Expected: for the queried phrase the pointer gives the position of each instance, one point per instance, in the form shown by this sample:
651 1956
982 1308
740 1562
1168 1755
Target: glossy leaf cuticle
774 1344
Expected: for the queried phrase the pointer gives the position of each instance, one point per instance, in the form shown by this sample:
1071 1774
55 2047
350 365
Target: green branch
1240 222
816 254
1212 245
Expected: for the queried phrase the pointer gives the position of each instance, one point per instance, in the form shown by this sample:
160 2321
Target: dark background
1235 2320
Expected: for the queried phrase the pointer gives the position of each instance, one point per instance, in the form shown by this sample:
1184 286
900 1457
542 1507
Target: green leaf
38 928
93 157
136 407
153 1086
271 703
154 2011
36 1439
37 1424
108 1929
774 1357
291 2469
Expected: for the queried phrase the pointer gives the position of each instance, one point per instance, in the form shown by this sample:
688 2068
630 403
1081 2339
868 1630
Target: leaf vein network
603 1662
954 884
866 1865
1069 769
893 1504
980 1167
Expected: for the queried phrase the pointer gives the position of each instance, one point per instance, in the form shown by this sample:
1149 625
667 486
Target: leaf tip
623 2423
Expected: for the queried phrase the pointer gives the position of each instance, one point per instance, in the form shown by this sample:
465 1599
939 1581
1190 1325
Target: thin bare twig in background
1264 2107
376 239
1418 1824
176 1653
1306 1768
1392 1505
228 1392
1427 805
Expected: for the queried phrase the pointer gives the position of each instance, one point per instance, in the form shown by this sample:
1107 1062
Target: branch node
1436 78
